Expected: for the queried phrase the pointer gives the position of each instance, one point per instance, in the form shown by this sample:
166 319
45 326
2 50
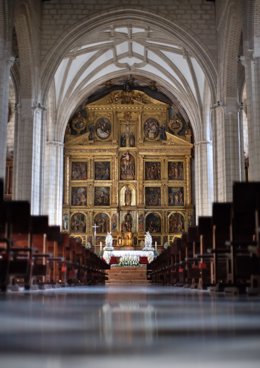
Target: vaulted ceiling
147 55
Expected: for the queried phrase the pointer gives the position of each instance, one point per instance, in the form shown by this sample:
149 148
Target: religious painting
153 223
175 125
151 129
153 196
175 196
176 223
114 222
152 171
102 222
78 124
78 196
79 170
102 196
141 223
78 223
127 167
102 170
175 170
103 128
127 224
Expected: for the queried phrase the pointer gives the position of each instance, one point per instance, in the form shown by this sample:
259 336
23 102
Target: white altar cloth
120 253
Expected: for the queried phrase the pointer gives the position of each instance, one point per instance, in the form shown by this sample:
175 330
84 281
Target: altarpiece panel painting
175 196
79 170
78 196
175 170
102 170
153 223
176 223
152 171
102 196
153 196
78 223
102 222
103 128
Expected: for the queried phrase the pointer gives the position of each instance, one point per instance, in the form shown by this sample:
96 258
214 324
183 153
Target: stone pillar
5 65
53 182
204 192
253 90
228 160
28 154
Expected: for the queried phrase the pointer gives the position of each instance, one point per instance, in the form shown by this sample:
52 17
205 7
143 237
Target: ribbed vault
138 48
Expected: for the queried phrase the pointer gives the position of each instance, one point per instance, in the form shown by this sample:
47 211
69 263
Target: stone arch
200 52
185 96
230 51
28 57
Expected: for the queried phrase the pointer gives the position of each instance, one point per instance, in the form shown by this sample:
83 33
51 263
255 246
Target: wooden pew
16 250
55 261
205 237
38 229
244 263
221 261
175 251
192 270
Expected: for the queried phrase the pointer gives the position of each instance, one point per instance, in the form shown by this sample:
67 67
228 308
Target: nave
133 326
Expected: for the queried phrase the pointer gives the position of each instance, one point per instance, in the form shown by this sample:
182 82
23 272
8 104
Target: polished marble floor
128 327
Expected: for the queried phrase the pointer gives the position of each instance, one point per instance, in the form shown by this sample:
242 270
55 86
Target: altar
138 256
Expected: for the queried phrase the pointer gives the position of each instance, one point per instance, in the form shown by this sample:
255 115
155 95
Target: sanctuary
127 165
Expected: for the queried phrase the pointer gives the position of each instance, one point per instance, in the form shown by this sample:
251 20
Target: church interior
129 183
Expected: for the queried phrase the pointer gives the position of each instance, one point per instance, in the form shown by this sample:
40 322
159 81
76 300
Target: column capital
55 143
38 106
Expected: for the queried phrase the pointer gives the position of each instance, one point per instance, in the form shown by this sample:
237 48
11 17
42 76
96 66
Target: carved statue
128 196
109 241
128 222
148 241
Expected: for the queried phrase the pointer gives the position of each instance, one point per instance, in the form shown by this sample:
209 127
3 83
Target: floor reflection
114 322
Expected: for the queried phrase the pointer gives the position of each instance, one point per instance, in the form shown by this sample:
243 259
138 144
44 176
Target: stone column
228 153
204 192
5 65
253 86
53 182
28 154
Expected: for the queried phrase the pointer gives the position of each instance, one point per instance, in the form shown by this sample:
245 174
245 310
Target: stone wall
194 16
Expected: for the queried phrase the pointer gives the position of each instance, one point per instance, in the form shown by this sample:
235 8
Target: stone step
127 275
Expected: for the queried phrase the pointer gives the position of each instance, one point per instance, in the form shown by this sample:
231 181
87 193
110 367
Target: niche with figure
127 196
127 167
153 223
176 223
102 222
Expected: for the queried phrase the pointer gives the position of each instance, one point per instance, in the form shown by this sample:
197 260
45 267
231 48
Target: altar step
127 275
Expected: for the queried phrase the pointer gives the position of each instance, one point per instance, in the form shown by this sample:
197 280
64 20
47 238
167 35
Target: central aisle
128 327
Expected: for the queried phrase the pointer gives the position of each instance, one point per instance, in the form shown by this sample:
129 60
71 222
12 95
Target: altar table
113 256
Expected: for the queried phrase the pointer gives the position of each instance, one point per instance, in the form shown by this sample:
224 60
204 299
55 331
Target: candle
100 246
156 245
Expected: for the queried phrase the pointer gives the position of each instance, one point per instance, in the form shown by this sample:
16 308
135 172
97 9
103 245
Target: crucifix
127 126
95 226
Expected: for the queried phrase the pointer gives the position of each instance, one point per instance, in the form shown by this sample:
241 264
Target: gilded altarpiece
127 171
